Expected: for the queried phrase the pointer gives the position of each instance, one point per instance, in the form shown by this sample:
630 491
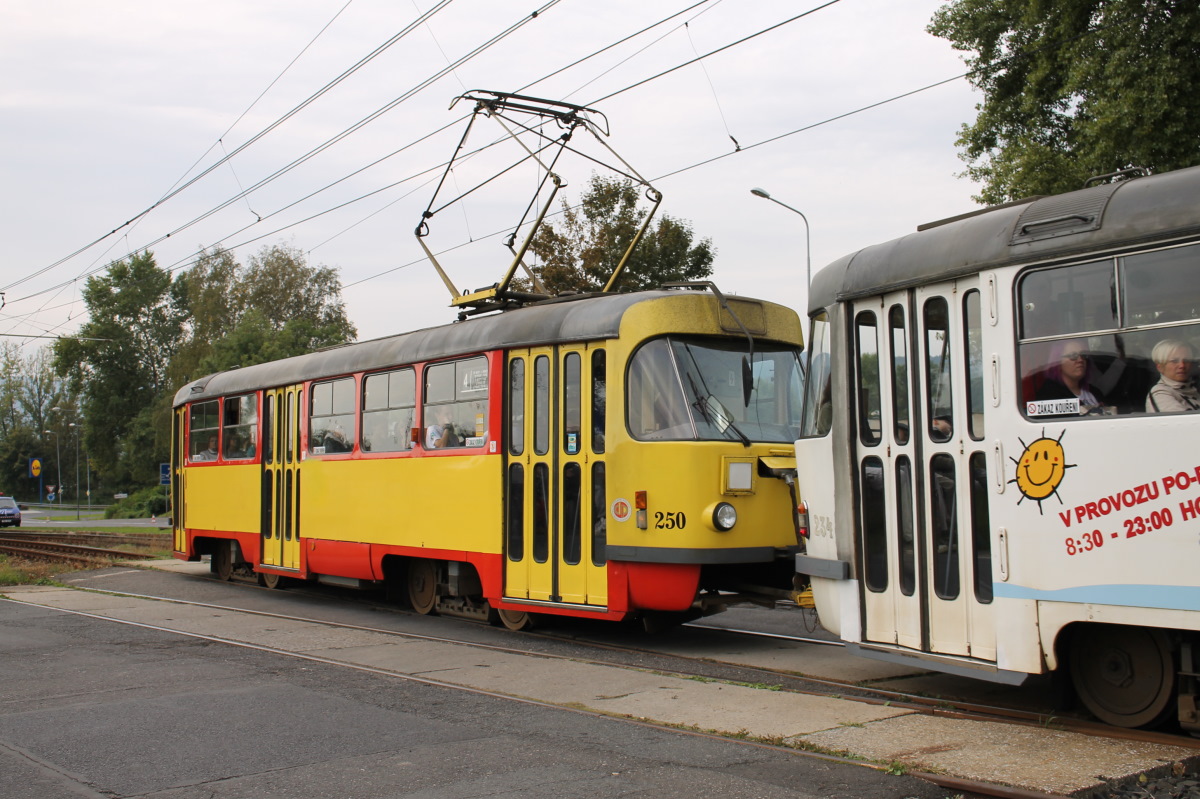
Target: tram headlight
724 516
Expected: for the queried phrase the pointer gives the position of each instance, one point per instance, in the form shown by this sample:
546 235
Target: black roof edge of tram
1134 212
569 317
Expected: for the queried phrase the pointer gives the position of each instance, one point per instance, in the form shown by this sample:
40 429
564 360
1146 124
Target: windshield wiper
711 408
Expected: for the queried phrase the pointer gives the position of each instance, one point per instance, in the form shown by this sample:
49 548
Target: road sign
164 474
35 467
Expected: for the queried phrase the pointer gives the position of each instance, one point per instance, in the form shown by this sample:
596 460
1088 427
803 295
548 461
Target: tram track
53 548
707 668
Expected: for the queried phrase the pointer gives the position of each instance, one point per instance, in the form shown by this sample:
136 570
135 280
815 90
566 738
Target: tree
1075 88
118 364
274 307
582 253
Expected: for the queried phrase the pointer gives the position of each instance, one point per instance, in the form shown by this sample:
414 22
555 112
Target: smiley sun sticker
1041 469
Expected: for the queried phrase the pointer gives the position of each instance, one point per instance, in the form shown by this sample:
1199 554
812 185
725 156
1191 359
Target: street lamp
807 233
75 427
58 462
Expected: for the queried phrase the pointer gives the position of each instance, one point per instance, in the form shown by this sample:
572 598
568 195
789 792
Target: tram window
572 500
973 351
688 388
455 410
906 543
240 432
599 515
331 419
867 343
599 399
818 397
1160 286
901 422
655 400
938 369
572 404
515 529
541 405
943 512
203 430
389 405
1068 300
516 406
874 525
541 512
268 421
981 534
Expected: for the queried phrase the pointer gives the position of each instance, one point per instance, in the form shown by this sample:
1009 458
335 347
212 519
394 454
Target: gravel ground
1172 784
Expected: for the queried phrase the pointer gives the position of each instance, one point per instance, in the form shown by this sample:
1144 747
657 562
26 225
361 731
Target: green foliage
1075 88
119 366
139 505
592 238
275 307
147 335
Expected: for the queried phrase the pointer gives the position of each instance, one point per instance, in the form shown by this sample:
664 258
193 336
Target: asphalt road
92 708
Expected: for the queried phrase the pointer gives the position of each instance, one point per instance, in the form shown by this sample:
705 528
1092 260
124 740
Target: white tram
1001 497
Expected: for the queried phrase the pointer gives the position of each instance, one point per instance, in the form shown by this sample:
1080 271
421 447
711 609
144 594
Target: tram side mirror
747 380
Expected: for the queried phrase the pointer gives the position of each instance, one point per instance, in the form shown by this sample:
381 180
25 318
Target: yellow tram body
597 461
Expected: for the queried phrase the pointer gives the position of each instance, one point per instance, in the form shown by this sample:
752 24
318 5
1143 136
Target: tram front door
924 531
554 484
280 525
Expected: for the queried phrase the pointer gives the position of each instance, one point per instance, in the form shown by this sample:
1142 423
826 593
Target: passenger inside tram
1174 392
1067 377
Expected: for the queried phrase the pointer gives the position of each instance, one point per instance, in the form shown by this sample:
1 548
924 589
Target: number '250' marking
671 520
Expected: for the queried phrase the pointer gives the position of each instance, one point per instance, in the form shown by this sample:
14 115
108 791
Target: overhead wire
329 142
256 137
699 163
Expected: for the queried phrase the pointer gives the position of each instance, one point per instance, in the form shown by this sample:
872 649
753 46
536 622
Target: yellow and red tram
607 456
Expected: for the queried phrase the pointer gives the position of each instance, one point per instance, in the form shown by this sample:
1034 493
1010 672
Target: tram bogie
600 456
1002 494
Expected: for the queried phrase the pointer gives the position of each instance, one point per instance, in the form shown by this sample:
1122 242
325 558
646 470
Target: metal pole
807 233
76 469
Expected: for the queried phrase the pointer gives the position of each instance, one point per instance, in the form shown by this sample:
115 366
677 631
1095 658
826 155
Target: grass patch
19 571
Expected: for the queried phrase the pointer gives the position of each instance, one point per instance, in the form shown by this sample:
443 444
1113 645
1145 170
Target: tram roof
580 318
1131 212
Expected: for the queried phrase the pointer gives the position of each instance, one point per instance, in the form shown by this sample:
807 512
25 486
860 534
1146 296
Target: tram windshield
688 388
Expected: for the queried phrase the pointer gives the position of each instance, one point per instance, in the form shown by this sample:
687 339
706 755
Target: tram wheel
422 586
269 580
222 561
1124 675
515 620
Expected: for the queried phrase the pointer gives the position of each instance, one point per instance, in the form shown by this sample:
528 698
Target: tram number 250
671 520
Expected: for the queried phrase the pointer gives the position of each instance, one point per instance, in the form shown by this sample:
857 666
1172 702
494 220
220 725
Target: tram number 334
671 520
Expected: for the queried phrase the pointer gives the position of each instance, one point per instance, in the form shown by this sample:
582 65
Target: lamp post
807 233
75 427
58 463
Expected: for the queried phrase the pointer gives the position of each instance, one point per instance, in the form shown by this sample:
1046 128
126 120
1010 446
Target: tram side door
178 455
553 552
886 461
955 529
924 531
280 525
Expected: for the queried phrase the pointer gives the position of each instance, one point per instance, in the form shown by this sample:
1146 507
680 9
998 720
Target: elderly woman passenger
1174 390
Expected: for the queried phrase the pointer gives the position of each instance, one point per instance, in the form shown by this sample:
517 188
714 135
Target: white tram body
967 515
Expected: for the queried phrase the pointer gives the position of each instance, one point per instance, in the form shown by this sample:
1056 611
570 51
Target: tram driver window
455 404
331 419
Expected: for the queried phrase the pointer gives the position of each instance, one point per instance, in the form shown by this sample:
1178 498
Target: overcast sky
108 107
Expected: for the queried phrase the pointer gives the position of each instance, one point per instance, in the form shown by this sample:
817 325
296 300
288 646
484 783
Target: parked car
10 512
